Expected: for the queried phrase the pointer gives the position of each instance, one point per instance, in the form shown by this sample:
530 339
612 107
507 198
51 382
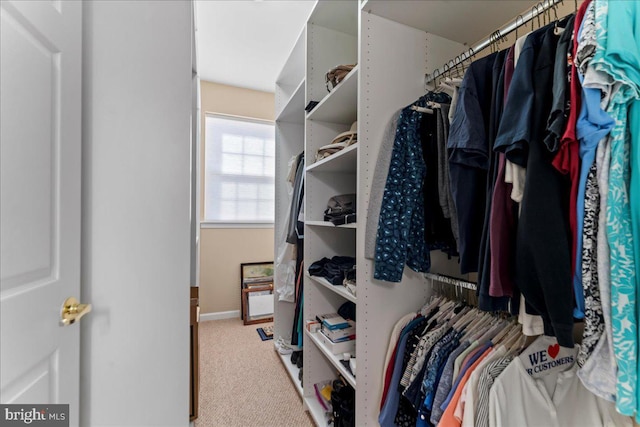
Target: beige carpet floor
242 380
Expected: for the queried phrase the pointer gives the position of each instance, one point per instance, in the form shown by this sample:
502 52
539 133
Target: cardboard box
338 348
313 326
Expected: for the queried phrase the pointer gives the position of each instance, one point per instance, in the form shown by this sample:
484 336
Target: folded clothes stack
335 270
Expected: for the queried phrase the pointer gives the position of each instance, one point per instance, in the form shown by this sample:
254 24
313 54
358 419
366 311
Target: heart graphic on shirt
553 350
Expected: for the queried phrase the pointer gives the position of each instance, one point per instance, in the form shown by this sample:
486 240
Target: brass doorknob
72 311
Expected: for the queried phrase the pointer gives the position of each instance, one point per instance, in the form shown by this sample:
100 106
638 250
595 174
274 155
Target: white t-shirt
517 399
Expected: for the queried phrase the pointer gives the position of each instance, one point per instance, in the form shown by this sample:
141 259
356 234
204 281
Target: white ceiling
245 43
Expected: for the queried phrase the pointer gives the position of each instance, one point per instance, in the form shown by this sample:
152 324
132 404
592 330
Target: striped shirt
487 377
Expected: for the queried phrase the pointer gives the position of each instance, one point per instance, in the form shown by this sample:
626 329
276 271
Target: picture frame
256 292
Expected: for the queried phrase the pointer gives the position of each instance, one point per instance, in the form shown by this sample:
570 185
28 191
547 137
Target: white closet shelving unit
289 97
395 43
394 59
332 39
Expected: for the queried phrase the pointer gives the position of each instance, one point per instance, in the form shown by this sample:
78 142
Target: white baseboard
233 314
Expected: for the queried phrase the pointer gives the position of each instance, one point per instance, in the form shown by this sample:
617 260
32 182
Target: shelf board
293 67
330 225
474 19
293 111
345 160
332 358
340 290
338 15
341 104
292 369
316 411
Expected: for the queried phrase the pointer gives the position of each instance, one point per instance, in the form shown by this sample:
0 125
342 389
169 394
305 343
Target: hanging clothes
494 386
556 398
543 268
593 125
486 301
515 175
447 204
594 317
634 201
560 112
390 406
377 186
487 378
446 382
438 233
569 404
469 157
295 226
617 55
296 328
400 234
567 159
285 260
598 373
296 236
504 218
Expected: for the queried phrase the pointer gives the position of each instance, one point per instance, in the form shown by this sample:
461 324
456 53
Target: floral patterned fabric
599 373
593 317
400 236
617 54
623 292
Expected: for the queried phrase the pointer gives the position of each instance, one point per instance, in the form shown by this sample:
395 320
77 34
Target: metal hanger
518 26
473 53
458 64
556 29
450 67
537 14
431 78
499 40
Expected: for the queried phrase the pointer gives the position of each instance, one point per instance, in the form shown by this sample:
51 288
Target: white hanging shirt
517 399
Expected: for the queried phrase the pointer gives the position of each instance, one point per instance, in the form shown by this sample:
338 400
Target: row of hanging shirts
454 365
528 170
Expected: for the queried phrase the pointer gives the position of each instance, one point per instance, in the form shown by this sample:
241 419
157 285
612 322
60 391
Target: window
239 170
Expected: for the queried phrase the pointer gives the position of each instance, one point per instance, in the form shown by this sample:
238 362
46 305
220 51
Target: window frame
210 223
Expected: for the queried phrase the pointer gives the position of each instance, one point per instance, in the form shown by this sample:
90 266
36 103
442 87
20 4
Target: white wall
136 244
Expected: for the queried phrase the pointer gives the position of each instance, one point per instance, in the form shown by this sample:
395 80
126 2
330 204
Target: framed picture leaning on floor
256 292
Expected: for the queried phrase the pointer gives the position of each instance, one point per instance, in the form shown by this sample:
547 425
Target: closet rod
451 281
518 22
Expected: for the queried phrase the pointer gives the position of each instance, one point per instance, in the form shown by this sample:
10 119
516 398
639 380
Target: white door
40 136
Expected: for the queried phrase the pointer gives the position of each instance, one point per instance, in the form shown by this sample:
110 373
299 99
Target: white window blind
239 170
